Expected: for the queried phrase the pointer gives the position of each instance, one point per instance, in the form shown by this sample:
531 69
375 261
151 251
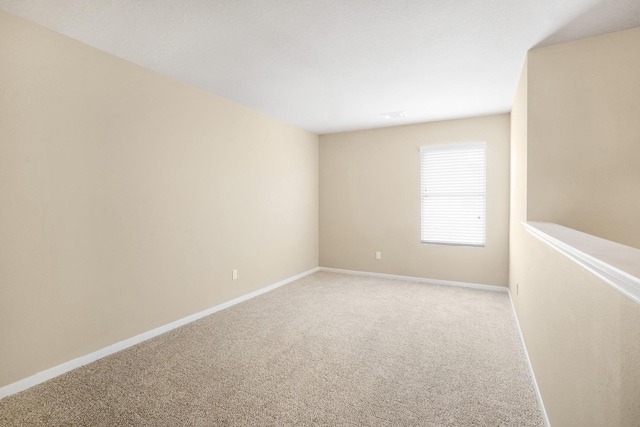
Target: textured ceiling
336 65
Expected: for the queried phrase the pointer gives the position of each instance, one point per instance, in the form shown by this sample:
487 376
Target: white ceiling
336 65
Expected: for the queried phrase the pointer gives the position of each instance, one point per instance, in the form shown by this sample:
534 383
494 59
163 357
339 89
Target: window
453 186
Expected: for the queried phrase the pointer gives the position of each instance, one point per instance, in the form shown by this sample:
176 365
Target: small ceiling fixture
394 115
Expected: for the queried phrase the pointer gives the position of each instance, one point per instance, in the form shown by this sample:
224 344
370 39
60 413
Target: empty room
368 213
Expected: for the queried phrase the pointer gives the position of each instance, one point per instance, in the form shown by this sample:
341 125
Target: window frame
451 241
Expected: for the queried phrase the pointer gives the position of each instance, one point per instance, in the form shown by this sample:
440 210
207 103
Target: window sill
616 264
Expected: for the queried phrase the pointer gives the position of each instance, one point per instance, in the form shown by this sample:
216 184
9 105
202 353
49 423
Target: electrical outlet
378 255
234 274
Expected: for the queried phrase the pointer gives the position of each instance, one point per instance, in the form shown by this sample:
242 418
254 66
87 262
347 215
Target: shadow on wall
604 16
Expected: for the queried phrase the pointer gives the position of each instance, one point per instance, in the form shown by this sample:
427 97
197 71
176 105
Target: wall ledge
616 264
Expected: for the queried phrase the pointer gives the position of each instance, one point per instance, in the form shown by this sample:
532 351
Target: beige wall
573 152
584 116
370 201
128 198
583 339
518 258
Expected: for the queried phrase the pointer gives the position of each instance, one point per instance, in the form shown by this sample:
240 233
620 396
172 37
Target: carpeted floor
328 349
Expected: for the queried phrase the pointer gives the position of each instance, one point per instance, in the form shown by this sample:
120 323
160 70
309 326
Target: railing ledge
615 263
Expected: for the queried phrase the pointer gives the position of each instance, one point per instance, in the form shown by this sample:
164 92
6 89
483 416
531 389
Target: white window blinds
453 185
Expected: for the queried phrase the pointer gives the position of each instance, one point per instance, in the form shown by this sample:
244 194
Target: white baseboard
418 279
50 373
533 375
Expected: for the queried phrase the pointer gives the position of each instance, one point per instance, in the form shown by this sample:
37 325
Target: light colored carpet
328 349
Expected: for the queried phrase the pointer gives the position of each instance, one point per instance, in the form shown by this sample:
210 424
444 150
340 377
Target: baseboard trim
418 279
50 373
533 375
